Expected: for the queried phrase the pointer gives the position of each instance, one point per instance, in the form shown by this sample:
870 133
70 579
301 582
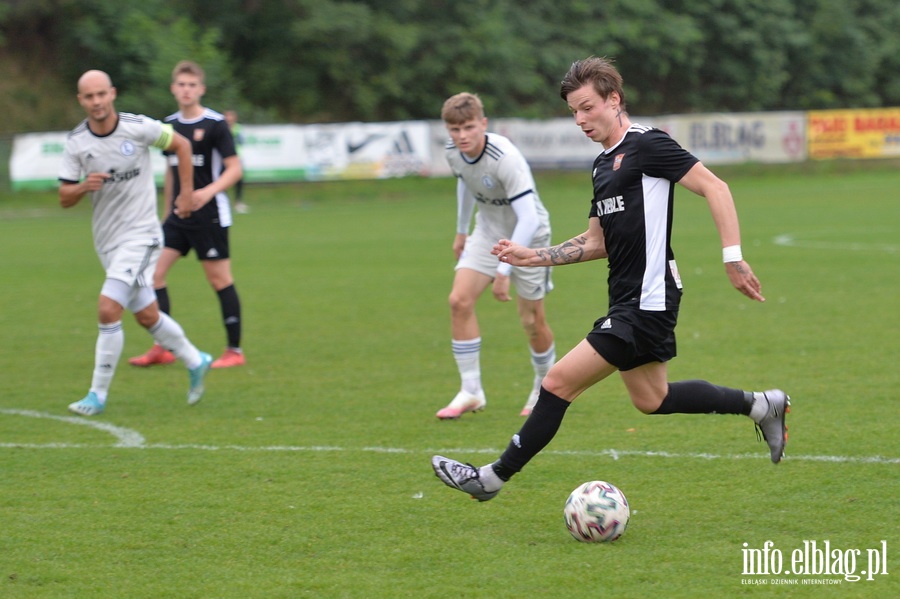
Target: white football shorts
129 273
531 283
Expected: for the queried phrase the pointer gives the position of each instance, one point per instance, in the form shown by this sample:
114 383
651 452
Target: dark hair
599 72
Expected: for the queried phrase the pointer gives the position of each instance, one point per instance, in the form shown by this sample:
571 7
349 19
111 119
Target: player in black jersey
217 167
630 223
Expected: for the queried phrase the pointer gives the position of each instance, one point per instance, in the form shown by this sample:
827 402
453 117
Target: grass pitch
306 473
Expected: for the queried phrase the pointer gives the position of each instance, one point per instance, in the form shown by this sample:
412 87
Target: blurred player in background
111 151
217 167
492 174
231 117
630 223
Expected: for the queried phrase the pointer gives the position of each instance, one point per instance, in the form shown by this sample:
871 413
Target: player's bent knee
108 314
647 405
147 317
556 384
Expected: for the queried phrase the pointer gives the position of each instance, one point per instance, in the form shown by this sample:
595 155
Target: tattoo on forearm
566 252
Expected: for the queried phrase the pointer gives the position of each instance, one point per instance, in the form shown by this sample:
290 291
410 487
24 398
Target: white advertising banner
548 144
740 137
714 138
273 153
336 151
35 158
270 153
380 150
555 143
439 139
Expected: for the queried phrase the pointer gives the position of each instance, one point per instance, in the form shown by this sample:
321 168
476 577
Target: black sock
162 298
231 315
534 435
701 397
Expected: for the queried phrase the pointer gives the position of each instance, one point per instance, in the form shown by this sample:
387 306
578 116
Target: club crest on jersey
127 148
618 161
487 182
198 134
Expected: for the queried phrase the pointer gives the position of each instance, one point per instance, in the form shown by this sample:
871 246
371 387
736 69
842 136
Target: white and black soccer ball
597 512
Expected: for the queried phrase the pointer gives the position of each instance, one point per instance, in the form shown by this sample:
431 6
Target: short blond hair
188 67
461 108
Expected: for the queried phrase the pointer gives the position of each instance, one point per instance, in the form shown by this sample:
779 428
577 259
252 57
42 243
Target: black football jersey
211 143
634 187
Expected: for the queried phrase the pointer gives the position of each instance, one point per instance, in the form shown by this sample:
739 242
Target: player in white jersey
107 157
492 174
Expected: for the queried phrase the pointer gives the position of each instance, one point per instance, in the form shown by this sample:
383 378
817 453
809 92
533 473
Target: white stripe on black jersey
211 143
633 194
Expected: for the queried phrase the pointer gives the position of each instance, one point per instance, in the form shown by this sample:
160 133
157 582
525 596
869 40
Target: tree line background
305 61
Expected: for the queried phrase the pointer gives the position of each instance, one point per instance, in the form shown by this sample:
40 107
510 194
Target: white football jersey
496 179
125 208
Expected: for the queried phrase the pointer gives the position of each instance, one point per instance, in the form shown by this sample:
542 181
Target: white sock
170 335
760 406
489 479
541 362
468 360
110 341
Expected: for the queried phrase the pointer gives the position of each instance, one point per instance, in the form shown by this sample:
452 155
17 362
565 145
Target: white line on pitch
615 454
788 240
128 438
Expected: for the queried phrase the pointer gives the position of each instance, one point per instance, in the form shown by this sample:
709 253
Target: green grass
306 474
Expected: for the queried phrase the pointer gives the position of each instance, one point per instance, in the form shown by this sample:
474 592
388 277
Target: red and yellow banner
862 133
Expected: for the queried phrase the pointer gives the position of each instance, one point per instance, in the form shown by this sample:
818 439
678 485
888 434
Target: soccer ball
597 512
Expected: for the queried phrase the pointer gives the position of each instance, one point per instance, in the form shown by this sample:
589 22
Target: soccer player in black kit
217 168
630 224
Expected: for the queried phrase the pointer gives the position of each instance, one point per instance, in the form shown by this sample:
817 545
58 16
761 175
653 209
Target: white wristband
732 253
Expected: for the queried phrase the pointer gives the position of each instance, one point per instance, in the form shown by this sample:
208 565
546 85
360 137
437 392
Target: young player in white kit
492 173
110 150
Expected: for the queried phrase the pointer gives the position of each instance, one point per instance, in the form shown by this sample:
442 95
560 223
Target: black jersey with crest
211 143
634 183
